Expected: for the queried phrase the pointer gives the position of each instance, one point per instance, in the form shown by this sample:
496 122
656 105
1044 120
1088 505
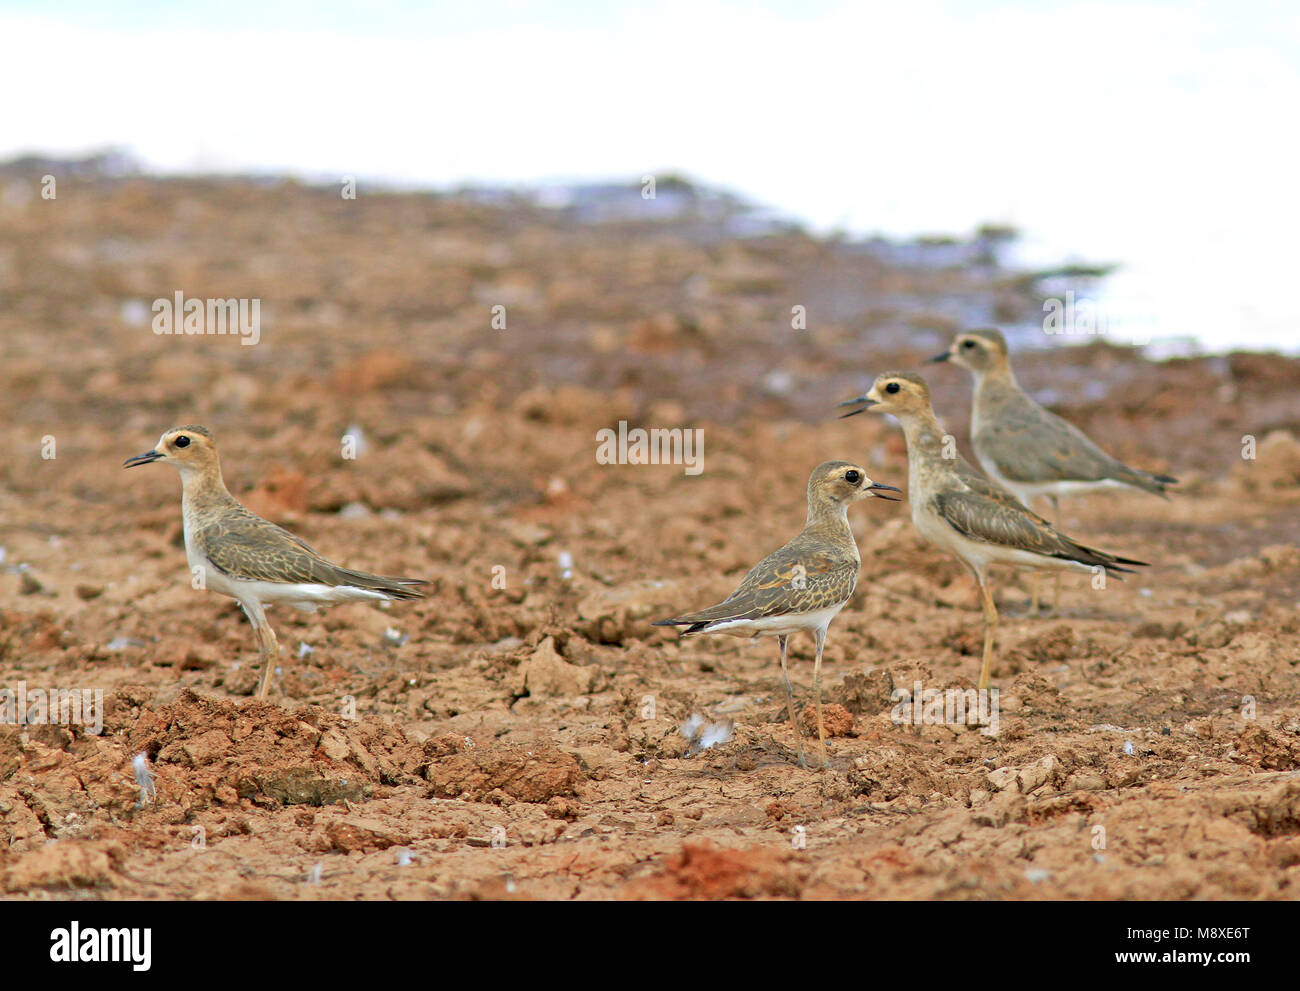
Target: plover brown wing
243 547
982 512
237 553
778 594
1025 448
801 586
959 511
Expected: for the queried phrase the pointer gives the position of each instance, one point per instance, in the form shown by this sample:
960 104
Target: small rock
546 673
1002 778
64 864
31 585
1085 781
526 534
535 774
837 720
1037 774
355 833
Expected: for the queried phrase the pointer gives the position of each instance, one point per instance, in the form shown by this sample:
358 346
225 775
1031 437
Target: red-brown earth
517 732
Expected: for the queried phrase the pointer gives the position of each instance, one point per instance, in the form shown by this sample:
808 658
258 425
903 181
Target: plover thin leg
268 649
1056 521
820 634
784 642
1056 579
990 630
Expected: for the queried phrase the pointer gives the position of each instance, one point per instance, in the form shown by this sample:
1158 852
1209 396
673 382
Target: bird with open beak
958 510
1026 449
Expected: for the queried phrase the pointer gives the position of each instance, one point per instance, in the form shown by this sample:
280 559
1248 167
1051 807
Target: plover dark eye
892 388
182 441
853 477
968 344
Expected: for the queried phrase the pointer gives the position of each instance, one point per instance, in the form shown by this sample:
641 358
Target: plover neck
826 512
924 435
929 458
996 379
828 521
204 490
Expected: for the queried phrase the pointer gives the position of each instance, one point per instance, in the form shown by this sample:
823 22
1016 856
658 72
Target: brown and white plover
1026 449
803 585
237 553
958 510
1023 447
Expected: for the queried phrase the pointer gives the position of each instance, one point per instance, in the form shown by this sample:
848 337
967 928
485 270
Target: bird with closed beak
237 553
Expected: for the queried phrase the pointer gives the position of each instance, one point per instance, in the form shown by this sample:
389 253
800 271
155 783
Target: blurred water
1115 302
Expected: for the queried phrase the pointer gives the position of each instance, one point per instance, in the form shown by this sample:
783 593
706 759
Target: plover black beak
939 357
862 402
142 459
876 488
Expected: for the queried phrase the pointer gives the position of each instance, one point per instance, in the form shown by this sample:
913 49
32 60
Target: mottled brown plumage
802 585
237 553
805 575
1027 449
241 544
982 511
958 510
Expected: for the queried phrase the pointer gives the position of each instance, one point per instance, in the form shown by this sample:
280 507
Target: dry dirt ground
517 732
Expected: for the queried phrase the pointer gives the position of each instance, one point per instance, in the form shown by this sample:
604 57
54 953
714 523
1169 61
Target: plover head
978 350
842 482
190 449
900 393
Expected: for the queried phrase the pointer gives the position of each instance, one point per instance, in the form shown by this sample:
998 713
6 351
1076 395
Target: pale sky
1158 135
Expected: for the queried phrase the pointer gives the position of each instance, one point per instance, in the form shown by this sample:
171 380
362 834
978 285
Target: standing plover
255 562
1026 449
958 510
801 586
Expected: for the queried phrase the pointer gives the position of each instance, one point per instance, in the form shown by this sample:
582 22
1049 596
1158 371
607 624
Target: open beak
939 357
141 459
876 488
862 402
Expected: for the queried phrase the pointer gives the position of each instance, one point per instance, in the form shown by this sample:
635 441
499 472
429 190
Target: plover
803 585
1023 447
958 510
1026 449
255 562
